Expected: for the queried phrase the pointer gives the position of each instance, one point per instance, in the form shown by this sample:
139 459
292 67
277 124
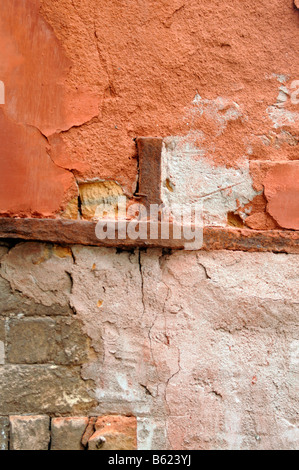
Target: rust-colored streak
83 233
150 155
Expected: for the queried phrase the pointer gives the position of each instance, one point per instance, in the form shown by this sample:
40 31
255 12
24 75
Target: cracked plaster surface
201 347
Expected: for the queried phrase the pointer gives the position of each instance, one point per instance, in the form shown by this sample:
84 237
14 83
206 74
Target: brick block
29 432
67 433
4 433
43 389
47 340
31 341
114 433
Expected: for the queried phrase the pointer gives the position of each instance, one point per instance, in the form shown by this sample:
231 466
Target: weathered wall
202 348
168 350
84 78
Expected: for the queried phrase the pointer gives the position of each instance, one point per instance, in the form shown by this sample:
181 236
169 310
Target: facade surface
137 346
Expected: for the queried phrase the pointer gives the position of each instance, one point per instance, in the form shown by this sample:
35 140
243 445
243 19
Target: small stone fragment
29 432
89 431
46 389
114 433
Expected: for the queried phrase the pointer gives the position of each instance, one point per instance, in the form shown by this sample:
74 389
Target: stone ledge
83 233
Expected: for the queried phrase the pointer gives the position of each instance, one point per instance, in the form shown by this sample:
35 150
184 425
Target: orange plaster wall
84 78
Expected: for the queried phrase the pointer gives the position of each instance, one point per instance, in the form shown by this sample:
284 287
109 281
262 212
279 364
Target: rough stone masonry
138 347
201 348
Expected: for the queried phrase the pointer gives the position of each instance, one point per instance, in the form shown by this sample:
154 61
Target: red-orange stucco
90 76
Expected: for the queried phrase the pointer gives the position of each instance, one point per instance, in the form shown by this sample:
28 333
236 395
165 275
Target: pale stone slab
67 433
29 432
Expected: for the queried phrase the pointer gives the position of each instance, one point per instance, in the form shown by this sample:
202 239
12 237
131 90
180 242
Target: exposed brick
43 389
114 433
29 432
46 340
67 433
4 433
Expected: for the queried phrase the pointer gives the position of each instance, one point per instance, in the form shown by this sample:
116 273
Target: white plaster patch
188 178
220 110
279 115
233 429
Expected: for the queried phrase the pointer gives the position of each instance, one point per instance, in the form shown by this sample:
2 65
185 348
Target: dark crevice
50 430
80 205
147 391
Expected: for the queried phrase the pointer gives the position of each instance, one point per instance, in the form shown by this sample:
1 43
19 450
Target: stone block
43 389
39 272
4 433
72 344
29 432
67 433
31 341
47 340
13 303
114 433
